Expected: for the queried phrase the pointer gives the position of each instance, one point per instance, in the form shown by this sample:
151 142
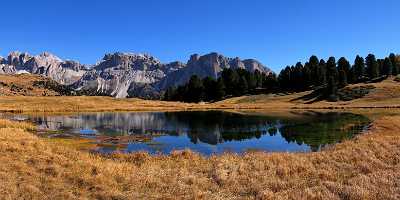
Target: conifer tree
322 79
332 75
220 89
372 66
195 90
395 64
243 86
359 68
344 71
387 67
313 63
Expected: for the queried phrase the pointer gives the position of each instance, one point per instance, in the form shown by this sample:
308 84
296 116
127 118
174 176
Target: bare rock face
209 65
45 64
18 59
124 75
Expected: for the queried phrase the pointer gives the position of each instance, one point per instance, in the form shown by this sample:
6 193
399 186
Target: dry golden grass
385 95
364 168
82 104
4 123
23 85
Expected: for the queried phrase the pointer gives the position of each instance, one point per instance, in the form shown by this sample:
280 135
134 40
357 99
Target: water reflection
207 132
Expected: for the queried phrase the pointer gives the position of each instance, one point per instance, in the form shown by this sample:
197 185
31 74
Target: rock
124 74
45 64
209 65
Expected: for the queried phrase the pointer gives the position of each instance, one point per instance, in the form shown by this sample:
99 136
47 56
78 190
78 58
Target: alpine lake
205 132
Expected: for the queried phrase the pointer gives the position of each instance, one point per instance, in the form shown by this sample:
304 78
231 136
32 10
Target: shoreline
365 167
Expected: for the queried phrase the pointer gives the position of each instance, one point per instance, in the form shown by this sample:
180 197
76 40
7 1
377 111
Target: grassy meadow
385 94
363 168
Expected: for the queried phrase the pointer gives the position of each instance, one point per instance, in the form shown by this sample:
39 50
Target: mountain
124 74
45 64
209 65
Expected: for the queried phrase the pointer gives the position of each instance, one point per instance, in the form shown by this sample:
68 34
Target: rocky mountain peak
70 64
253 65
193 59
128 61
124 74
17 58
209 65
48 57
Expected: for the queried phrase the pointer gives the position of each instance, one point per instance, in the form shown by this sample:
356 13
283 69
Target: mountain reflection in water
211 132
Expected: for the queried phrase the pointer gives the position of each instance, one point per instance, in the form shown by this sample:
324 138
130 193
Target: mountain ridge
124 74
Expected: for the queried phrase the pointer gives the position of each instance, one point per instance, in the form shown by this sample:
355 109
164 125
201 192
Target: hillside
29 85
384 94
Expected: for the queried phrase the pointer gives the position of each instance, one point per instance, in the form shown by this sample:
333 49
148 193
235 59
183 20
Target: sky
277 33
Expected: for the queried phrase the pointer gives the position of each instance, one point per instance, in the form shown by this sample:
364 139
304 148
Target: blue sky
277 33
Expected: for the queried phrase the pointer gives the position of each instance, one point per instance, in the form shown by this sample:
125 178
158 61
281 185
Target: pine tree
251 80
342 78
372 66
313 63
331 70
259 78
285 78
332 74
270 81
170 94
195 90
359 68
322 79
243 86
344 71
220 89
387 67
307 73
209 88
331 90
231 81
395 64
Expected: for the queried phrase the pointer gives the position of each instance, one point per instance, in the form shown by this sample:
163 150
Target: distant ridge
124 75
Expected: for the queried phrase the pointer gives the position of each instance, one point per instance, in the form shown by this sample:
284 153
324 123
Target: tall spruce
322 79
332 74
231 81
307 73
220 90
359 68
344 71
243 86
195 90
395 64
210 86
372 66
313 64
387 67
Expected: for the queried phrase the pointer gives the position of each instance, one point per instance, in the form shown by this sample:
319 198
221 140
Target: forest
326 77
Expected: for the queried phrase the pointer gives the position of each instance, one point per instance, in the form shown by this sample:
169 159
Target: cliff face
209 65
45 64
124 74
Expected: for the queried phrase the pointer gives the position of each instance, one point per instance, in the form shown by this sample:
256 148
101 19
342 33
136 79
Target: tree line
331 75
326 76
231 82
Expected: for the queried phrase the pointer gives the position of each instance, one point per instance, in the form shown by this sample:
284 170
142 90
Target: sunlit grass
362 168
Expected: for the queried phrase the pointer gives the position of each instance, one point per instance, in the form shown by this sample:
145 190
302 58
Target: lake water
206 132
